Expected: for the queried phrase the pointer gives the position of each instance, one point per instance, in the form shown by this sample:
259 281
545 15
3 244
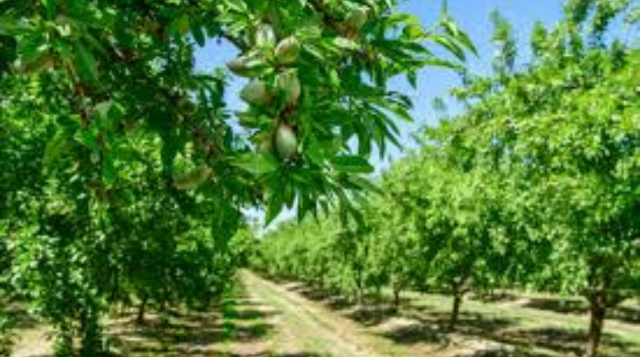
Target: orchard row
534 187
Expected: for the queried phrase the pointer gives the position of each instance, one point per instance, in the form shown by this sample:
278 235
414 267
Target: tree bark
455 311
600 297
141 310
359 293
359 286
598 313
90 332
396 300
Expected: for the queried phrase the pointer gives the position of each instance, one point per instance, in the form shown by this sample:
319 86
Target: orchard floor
264 318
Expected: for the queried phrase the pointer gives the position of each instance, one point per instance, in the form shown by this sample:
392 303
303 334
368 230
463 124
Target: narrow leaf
351 164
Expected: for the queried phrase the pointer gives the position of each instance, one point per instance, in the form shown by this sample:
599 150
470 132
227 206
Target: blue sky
472 16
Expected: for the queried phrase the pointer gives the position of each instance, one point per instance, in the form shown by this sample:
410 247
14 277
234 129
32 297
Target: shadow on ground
196 334
508 331
577 306
495 297
431 326
566 341
20 318
469 323
416 333
501 353
303 354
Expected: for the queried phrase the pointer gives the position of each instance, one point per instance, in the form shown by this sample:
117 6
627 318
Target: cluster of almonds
269 54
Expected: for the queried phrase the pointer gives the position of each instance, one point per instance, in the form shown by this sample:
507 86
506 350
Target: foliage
534 185
124 175
568 127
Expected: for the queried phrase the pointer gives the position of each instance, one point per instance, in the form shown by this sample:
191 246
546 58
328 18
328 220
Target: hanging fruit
250 65
257 93
286 141
288 50
289 84
357 17
193 179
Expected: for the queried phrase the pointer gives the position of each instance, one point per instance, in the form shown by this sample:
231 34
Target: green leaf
197 31
402 17
94 44
437 62
10 26
51 6
56 148
452 29
275 205
116 112
365 184
85 63
87 138
314 151
257 164
414 32
32 47
109 172
351 164
450 45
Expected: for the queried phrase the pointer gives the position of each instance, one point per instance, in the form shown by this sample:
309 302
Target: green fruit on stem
250 65
286 141
288 50
257 93
193 179
357 17
289 84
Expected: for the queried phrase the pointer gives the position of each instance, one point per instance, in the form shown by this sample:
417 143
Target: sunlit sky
472 16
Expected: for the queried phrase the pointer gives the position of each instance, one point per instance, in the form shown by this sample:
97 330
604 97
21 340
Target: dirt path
249 327
305 325
264 319
32 343
302 326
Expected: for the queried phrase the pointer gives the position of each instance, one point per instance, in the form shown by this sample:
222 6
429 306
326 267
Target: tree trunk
359 293
90 331
141 310
598 312
359 286
396 300
455 311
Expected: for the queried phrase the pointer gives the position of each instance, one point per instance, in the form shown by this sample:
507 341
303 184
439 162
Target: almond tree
565 129
104 106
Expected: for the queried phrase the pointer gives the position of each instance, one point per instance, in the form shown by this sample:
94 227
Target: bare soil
263 318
